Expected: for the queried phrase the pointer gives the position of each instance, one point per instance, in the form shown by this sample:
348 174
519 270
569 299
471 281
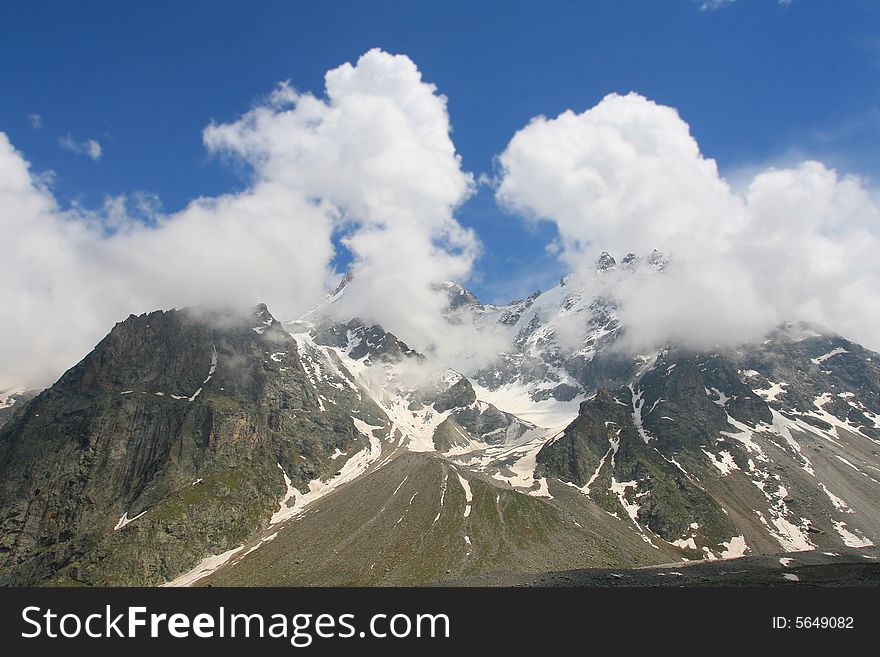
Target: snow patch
734 548
770 394
830 354
851 538
723 461
124 520
294 501
468 495
205 567
715 392
211 371
838 503
442 498
637 404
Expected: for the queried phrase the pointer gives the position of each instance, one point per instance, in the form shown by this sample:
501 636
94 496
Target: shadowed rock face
362 341
477 423
182 416
807 363
457 395
713 451
604 451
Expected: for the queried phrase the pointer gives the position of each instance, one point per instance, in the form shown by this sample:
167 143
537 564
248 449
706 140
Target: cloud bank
378 150
626 175
373 159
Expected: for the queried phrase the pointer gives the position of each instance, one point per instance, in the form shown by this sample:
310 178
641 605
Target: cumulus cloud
372 160
627 175
378 149
91 148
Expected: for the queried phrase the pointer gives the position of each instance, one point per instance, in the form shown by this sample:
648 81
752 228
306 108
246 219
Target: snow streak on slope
511 464
124 520
295 503
468 495
205 567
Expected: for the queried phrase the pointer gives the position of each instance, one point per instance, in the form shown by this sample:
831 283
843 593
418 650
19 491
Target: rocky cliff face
603 454
359 341
767 448
162 446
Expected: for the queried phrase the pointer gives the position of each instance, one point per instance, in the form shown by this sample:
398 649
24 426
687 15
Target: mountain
229 448
173 439
731 453
562 338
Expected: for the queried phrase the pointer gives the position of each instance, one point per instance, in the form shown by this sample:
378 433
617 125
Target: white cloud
90 147
373 159
374 162
35 120
711 5
67 276
627 175
378 149
93 149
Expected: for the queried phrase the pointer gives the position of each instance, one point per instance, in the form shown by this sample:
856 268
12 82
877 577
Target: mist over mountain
292 383
371 165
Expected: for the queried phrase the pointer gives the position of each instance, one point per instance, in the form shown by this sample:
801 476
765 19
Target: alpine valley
209 447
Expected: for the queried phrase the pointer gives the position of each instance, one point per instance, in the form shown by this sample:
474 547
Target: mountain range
206 446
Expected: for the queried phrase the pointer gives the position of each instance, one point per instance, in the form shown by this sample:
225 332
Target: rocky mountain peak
605 262
458 295
261 311
359 340
657 260
345 280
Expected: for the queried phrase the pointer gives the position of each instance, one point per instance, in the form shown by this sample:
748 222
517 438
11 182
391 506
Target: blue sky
759 83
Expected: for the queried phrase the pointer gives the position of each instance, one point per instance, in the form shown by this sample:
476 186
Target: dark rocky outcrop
603 448
179 419
363 341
